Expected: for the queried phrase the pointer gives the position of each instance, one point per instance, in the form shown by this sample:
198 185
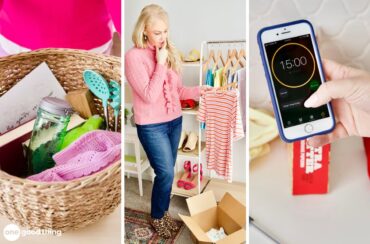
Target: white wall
191 22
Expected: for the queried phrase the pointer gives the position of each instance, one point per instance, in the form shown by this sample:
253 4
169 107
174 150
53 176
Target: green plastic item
93 123
130 158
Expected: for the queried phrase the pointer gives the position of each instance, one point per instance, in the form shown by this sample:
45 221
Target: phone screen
295 76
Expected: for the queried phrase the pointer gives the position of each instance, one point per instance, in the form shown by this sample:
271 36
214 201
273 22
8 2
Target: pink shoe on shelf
194 181
186 175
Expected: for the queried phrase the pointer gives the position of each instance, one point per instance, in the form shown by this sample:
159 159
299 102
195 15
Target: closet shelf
193 111
191 64
193 154
187 193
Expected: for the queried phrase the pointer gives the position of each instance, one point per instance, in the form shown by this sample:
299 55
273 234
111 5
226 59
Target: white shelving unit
191 64
141 163
194 157
191 111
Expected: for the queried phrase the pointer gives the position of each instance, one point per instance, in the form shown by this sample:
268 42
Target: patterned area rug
139 231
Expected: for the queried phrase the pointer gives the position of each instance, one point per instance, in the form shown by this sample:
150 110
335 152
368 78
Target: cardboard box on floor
206 214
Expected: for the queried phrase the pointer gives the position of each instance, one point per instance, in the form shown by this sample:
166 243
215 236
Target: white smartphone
293 71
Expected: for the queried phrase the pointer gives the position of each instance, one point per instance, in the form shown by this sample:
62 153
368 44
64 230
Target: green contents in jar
42 156
48 134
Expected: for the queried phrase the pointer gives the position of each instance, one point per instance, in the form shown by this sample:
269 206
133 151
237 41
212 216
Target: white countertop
341 216
106 230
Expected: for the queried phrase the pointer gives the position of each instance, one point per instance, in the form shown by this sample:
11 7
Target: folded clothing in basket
91 153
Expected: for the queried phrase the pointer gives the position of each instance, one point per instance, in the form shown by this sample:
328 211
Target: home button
308 128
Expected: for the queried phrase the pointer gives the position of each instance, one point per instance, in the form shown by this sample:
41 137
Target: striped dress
220 111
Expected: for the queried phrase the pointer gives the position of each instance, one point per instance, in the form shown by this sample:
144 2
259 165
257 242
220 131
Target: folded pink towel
91 153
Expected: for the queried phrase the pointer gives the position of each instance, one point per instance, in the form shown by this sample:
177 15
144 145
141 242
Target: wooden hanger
218 58
211 56
239 62
241 57
230 85
232 54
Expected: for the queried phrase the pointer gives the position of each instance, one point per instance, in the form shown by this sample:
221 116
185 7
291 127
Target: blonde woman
153 70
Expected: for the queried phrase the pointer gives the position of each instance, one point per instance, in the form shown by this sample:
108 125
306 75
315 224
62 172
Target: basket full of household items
71 176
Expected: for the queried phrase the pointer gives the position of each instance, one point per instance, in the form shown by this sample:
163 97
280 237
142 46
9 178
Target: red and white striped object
220 110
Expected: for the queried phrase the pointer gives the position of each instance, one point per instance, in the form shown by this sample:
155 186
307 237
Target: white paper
215 235
19 105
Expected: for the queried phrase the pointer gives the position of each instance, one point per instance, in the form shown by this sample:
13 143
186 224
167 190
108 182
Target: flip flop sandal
191 143
194 181
196 150
182 139
186 175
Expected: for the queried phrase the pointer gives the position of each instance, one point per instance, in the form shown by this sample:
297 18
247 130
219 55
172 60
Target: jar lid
56 106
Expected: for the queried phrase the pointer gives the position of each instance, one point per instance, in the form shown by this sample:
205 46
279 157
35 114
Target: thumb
339 132
328 91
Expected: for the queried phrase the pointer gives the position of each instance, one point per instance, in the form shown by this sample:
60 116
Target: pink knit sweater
78 24
157 90
91 153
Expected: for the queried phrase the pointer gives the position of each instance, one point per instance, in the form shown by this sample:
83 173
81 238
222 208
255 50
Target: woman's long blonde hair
138 37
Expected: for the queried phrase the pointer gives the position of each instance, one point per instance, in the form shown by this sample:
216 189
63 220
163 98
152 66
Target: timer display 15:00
295 62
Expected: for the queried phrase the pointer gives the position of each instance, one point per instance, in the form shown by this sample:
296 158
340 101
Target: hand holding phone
293 70
348 89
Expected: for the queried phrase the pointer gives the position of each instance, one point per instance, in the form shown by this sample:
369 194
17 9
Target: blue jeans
160 142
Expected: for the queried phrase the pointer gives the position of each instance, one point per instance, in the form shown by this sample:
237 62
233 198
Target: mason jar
50 128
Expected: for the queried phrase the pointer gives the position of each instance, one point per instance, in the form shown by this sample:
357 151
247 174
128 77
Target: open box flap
235 238
201 202
235 209
227 222
207 219
195 229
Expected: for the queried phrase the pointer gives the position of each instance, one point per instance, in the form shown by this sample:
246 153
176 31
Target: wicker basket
60 205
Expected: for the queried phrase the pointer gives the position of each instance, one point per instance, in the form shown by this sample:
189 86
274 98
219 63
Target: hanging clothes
230 78
218 77
209 78
209 82
220 110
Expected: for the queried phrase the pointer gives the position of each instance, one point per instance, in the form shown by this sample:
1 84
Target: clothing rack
206 47
227 42
219 45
